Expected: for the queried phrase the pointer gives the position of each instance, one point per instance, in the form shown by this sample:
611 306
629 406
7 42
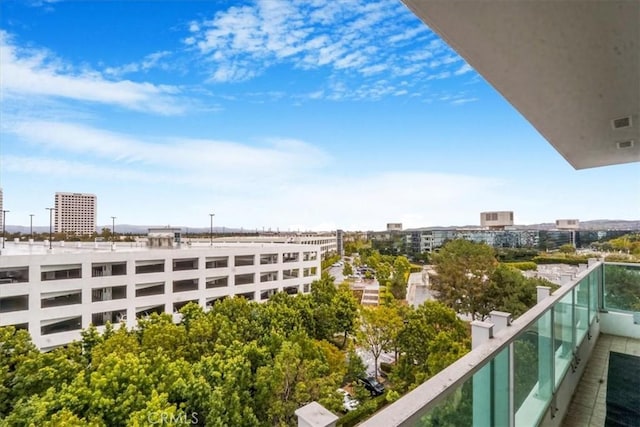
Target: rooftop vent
625 144
621 123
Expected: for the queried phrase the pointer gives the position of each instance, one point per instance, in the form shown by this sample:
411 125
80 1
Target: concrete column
542 293
500 320
315 415
481 332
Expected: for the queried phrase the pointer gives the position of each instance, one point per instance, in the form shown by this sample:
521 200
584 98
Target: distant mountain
596 224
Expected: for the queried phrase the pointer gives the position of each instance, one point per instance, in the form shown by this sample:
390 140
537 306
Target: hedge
524 265
560 260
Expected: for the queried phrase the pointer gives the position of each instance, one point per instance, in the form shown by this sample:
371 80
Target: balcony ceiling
569 67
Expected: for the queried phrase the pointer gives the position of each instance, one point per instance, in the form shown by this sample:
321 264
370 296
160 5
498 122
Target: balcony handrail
419 401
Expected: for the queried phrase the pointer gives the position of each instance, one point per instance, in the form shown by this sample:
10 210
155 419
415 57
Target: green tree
346 311
567 249
464 270
347 270
16 349
380 326
355 367
432 338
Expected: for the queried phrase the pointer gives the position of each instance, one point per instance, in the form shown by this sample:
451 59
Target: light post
31 225
113 229
4 222
50 225
211 230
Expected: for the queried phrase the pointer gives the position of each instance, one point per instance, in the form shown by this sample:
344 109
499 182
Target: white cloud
150 61
277 183
28 72
352 40
198 161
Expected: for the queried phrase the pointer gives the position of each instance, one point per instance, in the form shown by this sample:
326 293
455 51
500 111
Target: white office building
328 242
496 219
75 213
55 294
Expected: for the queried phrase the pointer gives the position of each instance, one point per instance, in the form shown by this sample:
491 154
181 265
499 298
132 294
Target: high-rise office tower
75 213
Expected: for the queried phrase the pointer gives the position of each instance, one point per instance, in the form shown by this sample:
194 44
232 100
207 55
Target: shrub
386 367
524 265
364 411
559 260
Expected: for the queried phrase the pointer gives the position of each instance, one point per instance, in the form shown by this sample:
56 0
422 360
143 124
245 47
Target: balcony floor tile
588 406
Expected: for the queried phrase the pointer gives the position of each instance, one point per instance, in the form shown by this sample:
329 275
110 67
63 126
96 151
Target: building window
217 282
290 274
56 300
17 303
53 327
116 316
291 290
108 269
244 279
146 289
268 293
185 264
55 272
268 259
268 276
310 256
217 262
148 311
185 285
290 257
244 260
108 293
14 275
150 266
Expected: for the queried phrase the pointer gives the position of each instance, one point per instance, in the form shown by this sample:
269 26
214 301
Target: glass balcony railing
621 287
514 379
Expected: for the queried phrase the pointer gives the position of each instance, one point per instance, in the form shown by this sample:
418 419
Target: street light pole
4 222
113 229
50 225
31 225
211 230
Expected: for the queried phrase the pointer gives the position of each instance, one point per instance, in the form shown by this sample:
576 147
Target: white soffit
570 67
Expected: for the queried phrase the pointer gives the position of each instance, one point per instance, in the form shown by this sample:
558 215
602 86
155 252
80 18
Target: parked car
348 403
371 384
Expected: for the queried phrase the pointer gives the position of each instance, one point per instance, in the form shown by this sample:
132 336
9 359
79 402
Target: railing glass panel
594 279
563 330
533 371
581 294
622 287
455 410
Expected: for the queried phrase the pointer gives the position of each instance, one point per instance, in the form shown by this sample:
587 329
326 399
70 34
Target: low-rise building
55 294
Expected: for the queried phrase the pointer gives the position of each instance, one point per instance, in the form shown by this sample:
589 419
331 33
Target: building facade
496 220
394 226
328 242
75 213
55 295
567 224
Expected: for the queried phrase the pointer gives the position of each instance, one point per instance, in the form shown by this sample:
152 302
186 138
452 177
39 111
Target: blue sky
307 115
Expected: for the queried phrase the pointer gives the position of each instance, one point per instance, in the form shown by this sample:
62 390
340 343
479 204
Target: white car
348 403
